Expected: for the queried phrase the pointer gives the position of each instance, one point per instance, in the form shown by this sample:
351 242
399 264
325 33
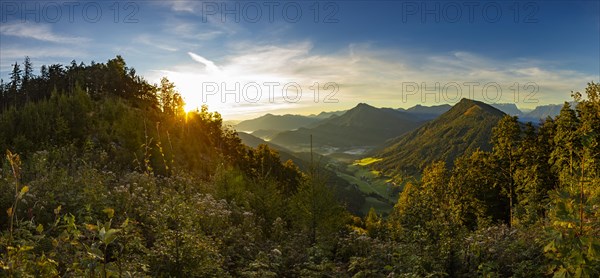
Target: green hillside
466 127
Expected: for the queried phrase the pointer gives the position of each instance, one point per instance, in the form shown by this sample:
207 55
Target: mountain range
325 115
363 126
276 122
427 112
267 126
405 139
543 111
535 116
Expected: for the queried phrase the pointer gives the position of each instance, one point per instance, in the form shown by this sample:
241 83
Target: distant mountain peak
363 105
508 108
466 104
467 101
363 108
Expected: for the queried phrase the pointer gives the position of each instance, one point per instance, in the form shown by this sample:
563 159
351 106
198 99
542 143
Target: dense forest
105 175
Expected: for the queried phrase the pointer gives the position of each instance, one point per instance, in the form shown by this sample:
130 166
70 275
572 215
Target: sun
193 102
222 91
190 107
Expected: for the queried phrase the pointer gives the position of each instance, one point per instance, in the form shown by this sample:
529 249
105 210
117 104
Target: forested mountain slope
466 127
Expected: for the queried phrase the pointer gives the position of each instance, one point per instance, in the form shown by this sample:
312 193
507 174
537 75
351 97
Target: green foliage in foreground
110 187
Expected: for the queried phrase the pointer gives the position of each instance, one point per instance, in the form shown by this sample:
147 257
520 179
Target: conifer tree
506 138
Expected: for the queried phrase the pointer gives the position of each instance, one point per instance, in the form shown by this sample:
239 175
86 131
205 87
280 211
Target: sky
248 58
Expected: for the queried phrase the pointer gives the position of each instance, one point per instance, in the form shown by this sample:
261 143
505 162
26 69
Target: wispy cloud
210 65
183 6
368 74
192 30
150 41
201 20
38 32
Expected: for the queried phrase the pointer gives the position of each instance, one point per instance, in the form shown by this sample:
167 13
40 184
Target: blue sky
385 53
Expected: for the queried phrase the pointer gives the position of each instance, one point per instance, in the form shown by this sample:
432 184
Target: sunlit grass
366 161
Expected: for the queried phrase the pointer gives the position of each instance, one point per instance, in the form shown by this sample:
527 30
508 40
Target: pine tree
116 83
478 200
426 201
373 224
316 211
167 94
533 178
574 245
566 144
3 97
506 138
588 111
15 83
27 77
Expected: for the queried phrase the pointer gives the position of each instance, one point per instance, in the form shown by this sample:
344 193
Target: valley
376 151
